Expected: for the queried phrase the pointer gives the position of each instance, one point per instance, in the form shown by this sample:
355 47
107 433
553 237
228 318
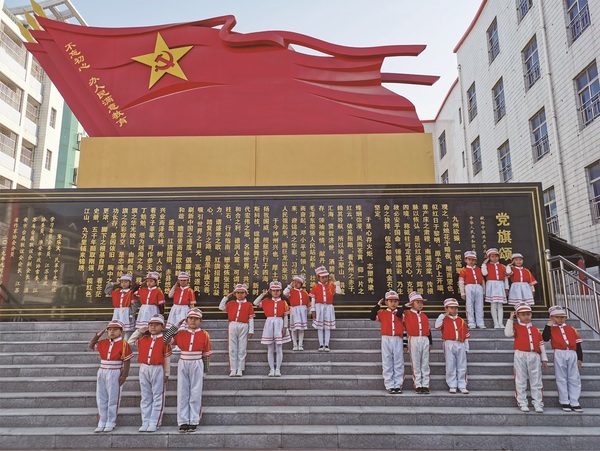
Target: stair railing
576 289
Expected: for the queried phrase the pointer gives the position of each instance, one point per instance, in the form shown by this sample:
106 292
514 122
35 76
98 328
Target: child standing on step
522 282
455 336
191 369
299 302
122 300
153 357
496 285
420 342
472 287
152 300
568 358
240 314
183 297
529 351
393 344
275 329
115 355
321 308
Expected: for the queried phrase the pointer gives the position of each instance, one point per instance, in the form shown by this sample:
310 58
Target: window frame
520 13
498 101
594 190
505 164
493 40
472 101
589 109
476 156
579 19
444 177
551 211
531 63
48 160
442 144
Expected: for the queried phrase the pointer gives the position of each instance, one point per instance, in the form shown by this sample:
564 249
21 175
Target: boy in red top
183 297
522 282
496 285
472 286
529 351
153 356
321 307
420 342
568 358
455 335
115 355
240 314
392 342
122 300
152 300
191 369
299 302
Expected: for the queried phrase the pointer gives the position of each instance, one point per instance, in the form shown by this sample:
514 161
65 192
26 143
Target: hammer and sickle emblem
164 61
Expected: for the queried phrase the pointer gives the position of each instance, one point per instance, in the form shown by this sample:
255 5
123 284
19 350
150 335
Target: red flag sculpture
195 80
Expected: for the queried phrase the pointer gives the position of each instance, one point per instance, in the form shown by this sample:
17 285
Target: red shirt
564 337
390 323
152 349
278 308
416 323
520 274
194 344
113 352
151 296
323 294
495 271
298 297
454 329
122 298
471 275
528 339
184 296
239 311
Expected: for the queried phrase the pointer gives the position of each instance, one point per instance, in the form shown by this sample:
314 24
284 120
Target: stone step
286 382
313 415
261 368
130 397
389 436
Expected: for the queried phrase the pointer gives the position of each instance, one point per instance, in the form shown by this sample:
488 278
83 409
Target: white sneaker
143 428
471 325
99 429
239 373
271 373
152 428
295 348
524 408
300 348
539 409
108 429
453 391
232 374
321 348
326 349
277 373
482 327
464 391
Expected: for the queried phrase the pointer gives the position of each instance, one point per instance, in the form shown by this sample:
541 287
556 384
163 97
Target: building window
8 142
472 102
53 118
442 144
588 91
492 39
476 153
579 17
445 177
36 70
27 150
75 171
5 183
523 7
48 162
12 45
33 110
11 94
460 115
594 176
532 63
498 96
539 135
551 211
504 159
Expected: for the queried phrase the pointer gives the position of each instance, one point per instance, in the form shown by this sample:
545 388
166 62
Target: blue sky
439 24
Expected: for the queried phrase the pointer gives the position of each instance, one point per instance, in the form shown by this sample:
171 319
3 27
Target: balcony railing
506 173
7 145
532 75
14 50
494 50
552 225
11 97
499 110
472 111
523 8
541 147
596 208
476 166
590 110
580 22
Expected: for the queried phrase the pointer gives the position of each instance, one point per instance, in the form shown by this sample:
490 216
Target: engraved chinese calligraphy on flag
192 80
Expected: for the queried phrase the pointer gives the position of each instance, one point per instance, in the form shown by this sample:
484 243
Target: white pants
108 396
152 387
474 307
455 353
238 342
568 380
528 366
176 314
190 375
419 358
497 310
392 361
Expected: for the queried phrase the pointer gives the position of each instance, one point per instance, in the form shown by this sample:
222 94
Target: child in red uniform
122 300
240 314
299 303
152 300
191 369
275 330
392 342
183 297
455 335
496 286
321 308
153 356
522 282
420 342
115 355
472 287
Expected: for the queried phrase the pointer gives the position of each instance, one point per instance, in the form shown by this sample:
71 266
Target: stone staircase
323 400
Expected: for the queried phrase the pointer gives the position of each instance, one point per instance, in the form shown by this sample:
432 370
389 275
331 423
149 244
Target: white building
526 107
31 111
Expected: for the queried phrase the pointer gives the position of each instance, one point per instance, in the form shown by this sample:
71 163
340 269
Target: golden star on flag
163 61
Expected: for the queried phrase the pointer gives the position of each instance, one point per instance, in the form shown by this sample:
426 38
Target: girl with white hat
299 302
321 308
183 297
152 300
496 285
